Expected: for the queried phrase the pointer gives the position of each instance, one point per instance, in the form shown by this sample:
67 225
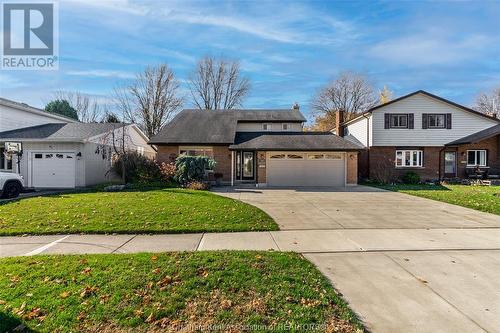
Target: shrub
411 177
138 168
192 168
167 171
197 185
384 172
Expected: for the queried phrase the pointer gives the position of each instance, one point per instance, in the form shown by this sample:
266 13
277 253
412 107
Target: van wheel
11 190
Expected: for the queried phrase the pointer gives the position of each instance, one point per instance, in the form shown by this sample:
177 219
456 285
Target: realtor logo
29 38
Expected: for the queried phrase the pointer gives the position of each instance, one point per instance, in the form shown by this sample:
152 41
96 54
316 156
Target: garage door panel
53 169
306 172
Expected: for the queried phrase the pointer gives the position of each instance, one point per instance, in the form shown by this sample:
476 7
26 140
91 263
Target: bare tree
350 92
218 84
489 104
151 100
87 108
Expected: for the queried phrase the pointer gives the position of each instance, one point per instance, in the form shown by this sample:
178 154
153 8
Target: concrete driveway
403 263
359 207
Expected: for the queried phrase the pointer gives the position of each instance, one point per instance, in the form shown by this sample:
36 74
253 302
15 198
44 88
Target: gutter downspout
232 168
367 143
439 172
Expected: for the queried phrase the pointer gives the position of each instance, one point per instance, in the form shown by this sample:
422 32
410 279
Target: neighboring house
58 152
264 147
424 133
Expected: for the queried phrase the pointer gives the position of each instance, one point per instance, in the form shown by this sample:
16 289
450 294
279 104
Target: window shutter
425 121
448 121
411 123
386 120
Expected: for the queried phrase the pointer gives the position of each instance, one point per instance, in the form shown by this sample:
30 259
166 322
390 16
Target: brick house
424 133
262 147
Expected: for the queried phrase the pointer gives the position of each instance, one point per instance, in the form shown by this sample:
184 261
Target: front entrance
450 164
245 165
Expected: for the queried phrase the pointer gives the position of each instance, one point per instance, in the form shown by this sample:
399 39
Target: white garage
53 169
306 169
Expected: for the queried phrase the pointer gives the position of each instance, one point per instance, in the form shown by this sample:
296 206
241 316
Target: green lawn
165 292
170 210
483 198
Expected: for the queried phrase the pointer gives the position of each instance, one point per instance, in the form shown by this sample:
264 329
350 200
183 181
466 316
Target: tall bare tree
88 109
218 84
350 92
151 100
489 103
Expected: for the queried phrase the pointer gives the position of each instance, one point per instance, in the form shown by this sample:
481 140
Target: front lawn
170 210
483 198
169 291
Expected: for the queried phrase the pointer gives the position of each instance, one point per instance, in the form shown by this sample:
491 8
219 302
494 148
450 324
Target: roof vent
295 106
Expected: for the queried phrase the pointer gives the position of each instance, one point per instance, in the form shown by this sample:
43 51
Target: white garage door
305 169
53 169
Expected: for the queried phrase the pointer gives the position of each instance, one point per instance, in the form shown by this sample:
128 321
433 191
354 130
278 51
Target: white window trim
5 162
475 158
420 158
203 148
399 115
269 126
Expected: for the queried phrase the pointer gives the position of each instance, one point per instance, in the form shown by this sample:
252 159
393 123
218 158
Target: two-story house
425 133
263 147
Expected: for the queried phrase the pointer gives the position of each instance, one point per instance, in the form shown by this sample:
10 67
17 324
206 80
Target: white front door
305 169
53 170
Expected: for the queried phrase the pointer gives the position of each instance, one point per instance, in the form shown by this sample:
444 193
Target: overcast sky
288 49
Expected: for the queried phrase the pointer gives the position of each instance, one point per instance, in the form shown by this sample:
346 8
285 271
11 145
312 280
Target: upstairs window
437 121
399 121
267 127
476 157
285 127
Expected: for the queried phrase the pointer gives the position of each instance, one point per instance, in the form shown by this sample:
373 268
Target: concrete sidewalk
303 241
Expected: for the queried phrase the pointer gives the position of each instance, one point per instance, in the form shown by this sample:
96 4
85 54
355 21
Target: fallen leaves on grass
88 290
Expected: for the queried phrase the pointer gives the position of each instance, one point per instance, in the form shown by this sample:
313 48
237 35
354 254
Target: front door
450 164
248 165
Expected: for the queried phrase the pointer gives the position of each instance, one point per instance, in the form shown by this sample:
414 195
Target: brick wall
261 167
166 153
222 156
352 168
382 163
492 145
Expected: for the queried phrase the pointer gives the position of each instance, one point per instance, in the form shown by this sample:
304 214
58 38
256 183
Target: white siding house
58 152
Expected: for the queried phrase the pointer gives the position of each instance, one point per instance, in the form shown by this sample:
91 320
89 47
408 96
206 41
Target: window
398 121
436 120
476 157
37 156
294 156
409 158
196 151
5 160
333 156
59 155
315 156
277 156
285 127
49 155
267 127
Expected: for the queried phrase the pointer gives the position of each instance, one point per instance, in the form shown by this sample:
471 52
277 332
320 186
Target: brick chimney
339 119
295 106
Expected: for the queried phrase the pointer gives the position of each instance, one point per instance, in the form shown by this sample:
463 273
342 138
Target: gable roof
478 136
428 94
59 132
216 126
31 109
293 141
